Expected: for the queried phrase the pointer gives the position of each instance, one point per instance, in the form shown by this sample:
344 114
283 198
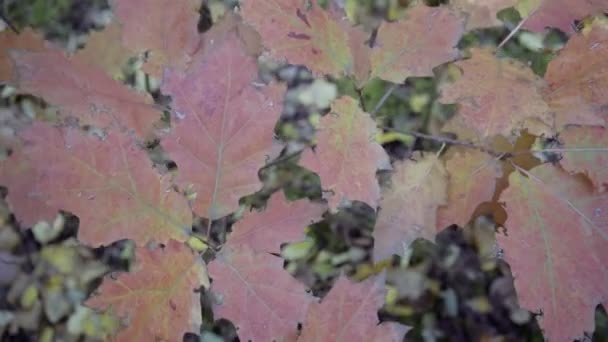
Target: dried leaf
556 246
158 300
349 312
224 127
408 209
263 300
472 181
498 96
110 185
347 155
416 44
578 85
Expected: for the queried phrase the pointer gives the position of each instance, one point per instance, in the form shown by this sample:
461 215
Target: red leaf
482 13
110 185
165 29
577 81
225 132
83 91
349 312
557 230
26 40
259 296
416 44
586 151
157 300
408 209
498 96
280 222
347 155
562 14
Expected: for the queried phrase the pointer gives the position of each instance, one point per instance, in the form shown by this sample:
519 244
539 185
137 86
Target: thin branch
383 99
446 140
517 28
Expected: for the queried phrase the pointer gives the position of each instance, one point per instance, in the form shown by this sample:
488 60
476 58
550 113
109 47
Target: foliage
178 164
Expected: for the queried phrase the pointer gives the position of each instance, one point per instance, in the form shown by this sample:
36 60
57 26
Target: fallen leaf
560 14
26 40
482 13
347 156
408 209
585 150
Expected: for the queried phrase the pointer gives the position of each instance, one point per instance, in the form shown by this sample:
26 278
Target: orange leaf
578 81
347 156
349 312
224 127
408 209
498 96
157 300
110 185
259 296
557 230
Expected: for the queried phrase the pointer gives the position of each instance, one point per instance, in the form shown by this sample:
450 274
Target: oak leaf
408 209
586 151
578 85
349 312
555 243
472 180
224 124
109 184
166 30
498 96
414 45
280 222
263 301
347 156
158 300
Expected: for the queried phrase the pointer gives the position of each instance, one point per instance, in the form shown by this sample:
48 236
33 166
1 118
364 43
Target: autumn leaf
158 300
84 92
109 184
555 242
431 32
498 96
482 13
264 301
224 127
585 150
577 79
560 14
349 312
302 34
347 156
280 222
408 209
165 30
105 49
26 40
472 180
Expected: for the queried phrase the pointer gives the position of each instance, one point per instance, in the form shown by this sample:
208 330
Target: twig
383 99
8 22
517 28
446 140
